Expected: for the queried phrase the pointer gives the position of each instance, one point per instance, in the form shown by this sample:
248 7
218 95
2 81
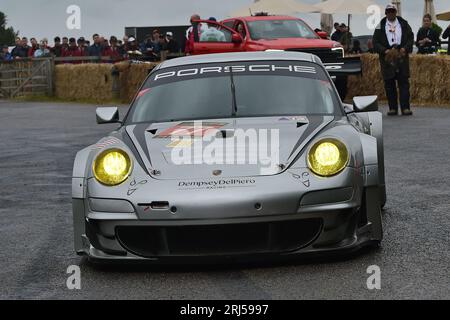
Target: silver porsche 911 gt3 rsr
232 156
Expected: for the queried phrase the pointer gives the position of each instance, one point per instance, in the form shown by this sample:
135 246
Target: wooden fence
36 76
26 77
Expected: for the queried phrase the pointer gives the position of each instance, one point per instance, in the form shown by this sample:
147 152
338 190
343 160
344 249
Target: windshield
278 29
205 92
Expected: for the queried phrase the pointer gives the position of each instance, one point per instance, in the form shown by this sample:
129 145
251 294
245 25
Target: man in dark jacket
21 49
393 40
446 35
96 49
336 36
427 38
172 44
57 50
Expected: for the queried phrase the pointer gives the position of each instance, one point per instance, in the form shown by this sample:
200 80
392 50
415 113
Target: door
214 37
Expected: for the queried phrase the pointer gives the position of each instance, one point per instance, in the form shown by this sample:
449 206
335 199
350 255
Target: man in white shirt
212 34
393 40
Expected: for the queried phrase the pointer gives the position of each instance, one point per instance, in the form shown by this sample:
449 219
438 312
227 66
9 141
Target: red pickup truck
265 32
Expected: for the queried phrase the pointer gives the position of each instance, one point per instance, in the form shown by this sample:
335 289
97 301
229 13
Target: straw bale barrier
90 81
430 80
131 77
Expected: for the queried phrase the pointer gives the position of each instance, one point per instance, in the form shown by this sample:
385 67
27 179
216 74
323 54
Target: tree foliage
7 34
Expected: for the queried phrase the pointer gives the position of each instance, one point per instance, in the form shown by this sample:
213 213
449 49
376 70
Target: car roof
268 17
239 56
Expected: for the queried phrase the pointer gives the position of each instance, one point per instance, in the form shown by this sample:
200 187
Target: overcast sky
47 18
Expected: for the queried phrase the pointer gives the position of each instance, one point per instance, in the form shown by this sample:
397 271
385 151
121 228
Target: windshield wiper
233 94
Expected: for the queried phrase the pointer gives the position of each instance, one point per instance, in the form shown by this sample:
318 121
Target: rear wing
344 66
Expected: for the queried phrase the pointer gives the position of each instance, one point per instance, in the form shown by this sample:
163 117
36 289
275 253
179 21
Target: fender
370 151
79 173
79 186
376 130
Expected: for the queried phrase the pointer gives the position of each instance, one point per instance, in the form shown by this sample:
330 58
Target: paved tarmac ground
38 143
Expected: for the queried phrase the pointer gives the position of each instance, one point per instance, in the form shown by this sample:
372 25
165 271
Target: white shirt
394 32
201 28
212 35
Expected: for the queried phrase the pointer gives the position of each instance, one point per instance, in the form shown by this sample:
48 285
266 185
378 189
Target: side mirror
236 38
107 115
365 104
348 108
322 34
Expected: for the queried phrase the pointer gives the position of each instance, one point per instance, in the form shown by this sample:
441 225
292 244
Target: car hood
168 156
297 43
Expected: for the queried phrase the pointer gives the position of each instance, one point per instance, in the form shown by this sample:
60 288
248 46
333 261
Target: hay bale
84 82
370 82
430 79
132 75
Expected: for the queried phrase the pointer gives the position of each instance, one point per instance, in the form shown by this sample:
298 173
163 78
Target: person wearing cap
212 34
191 37
5 55
156 41
171 44
336 36
112 50
427 38
73 51
65 43
42 51
57 48
346 37
132 44
81 42
393 40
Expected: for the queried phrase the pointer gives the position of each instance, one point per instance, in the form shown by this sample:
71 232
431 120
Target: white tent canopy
348 7
444 16
280 7
344 6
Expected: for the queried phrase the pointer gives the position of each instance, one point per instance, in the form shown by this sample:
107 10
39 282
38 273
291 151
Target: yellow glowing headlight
328 157
112 167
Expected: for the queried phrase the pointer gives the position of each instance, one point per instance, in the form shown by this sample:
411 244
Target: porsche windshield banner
266 68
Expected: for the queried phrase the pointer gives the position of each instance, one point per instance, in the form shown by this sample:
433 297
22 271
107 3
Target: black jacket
446 35
428 47
336 36
20 51
381 44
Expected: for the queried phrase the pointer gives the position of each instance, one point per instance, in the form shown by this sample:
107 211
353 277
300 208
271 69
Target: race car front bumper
338 227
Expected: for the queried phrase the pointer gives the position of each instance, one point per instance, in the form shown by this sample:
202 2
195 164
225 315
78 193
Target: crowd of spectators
155 45
112 50
427 38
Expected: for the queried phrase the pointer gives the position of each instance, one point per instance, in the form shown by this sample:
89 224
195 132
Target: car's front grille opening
153 241
326 55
